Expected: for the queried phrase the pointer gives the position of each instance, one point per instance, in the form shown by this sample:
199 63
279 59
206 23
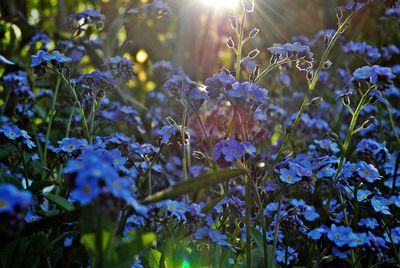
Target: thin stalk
184 158
69 122
389 111
240 45
276 230
248 221
51 115
263 223
92 116
5 102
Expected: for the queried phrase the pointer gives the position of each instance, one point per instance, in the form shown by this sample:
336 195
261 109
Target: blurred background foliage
192 37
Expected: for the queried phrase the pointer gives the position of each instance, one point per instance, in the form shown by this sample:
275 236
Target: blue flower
340 235
362 195
166 133
121 67
201 233
257 94
370 223
367 171
381 204
219 239
11 197
359 239
394 236
70 145
46 57
373 73
238 90
68 241
316 233
326 172
233 151
282 257
11 132
87 189
177 209
310 214
340 254
31 216
289 176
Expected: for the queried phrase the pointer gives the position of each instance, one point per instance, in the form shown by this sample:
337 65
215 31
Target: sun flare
222 3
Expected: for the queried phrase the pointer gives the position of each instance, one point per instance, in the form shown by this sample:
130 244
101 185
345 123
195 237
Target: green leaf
154 258
60 202
257 236
191 186
89 240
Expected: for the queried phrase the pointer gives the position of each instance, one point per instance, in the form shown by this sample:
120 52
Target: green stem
389 111
240 46
5 102
92 116
248 221
69 122
276 230
51 116
79 104
263 223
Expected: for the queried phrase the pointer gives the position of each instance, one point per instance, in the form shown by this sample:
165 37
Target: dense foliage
286 156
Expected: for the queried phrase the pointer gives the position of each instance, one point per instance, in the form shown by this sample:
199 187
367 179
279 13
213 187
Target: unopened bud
287 153
248 5
333 136
373 99
253 33
339 13
274 59
316 101
327 64
234 23
199 155
230 43
310 75
254 53
346 100
370 121
327 38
